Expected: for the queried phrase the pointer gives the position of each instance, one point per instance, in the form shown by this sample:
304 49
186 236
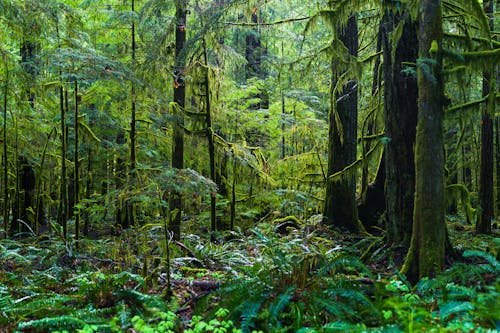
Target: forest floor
308 279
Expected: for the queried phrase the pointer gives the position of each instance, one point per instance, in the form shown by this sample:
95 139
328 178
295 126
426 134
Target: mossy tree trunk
5 155
76 174
175 201
497 162
210 138
126 212
340 200
133 104
29 50
253 54
483 225
401 109
426 254
63 201
253 51
372 204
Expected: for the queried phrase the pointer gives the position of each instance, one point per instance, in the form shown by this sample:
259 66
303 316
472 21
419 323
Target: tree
340 200
400 105
175 202
5 174
427 248
486 200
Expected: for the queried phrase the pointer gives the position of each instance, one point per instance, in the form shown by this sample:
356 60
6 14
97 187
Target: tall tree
133 106
76 174
426 254
340 200
4 153
175 202
253 51
483 225
210 138
400 105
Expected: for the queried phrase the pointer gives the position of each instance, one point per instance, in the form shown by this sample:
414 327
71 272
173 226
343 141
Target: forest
249 166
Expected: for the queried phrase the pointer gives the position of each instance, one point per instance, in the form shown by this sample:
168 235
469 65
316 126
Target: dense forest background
239 166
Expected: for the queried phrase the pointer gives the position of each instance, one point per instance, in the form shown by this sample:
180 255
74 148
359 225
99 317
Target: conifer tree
486 200
400 104
175 202
340 201
425 257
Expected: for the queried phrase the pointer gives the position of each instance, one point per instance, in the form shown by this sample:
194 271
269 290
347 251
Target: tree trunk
63 203
133 115
27 187
28 51
76 178
340 200
426 254
372 204
88 191
175 202
5 155
497 162
400 96
253 52
483 224
211 146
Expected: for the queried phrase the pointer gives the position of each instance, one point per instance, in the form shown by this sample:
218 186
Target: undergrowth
304 279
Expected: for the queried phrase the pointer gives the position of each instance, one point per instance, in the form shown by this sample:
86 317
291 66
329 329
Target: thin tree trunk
340 201
283 108
63 203
88 191
175 201
211 146
233 197
5 155
133 118
76 178
497 162
253 52
16 211
483 224
425 257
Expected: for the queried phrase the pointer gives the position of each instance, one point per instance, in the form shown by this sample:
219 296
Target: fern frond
249 314
492 265
454 307
279 304
52 324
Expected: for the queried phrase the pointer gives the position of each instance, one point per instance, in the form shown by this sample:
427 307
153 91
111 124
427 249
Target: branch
268 23
470 104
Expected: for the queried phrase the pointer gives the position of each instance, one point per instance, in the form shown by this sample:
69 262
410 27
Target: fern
492 265
138 302
249 314
52 324
454 307
279 305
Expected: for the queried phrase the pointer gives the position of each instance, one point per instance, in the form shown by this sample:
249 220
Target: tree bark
175 201
340 200
400 96
211 146
133 106
483 224
76 178
425 257
63 203
497 161
253 52
5 155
